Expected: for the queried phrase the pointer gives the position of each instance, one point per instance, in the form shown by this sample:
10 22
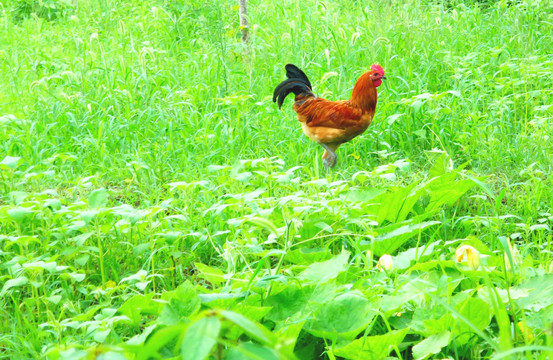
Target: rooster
331 123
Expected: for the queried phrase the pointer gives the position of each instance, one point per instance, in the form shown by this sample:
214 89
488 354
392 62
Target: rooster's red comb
377 68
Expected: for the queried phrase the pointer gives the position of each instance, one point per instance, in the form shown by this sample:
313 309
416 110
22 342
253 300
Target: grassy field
156 204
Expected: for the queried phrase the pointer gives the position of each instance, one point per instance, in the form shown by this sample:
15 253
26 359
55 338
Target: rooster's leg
329 156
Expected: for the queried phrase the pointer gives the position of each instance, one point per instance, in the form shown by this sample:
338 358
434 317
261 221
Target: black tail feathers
297 83
293 72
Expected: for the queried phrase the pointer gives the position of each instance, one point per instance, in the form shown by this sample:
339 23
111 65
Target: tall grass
144 167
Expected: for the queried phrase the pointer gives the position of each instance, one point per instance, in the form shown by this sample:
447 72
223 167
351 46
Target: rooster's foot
329 157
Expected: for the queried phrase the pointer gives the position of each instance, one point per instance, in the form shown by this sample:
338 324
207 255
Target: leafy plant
155 204
46 9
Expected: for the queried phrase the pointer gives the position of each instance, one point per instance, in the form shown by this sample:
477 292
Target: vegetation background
155 203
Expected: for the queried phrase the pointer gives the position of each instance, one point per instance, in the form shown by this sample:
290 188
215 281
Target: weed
154 203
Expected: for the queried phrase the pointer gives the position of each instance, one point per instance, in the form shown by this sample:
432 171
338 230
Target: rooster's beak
383 78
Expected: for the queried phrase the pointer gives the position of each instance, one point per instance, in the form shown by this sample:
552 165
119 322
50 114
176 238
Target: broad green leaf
433 264
372 347
10 162
41 265
221 300
215 168
139 276
264 223
68 354
139 305
388 242
540 293
98 198
89 215
455 93
479 182
89 313
541 319
423 314
100 335
477 312
254 313
25 240
442 165
171 236
393 205
416 105
200 338
362 195
254 330
63 157
322 272
115 354
393 118
77 276
291 300
181 304
12 283
446 190
309 347
438 326
54 204
324 292
19 213
421 133
54 299
211 274
306 256
506 295
158 340
403 260
141 338
408 203
17 197
344 317
288 336
82 259
431 345
250 351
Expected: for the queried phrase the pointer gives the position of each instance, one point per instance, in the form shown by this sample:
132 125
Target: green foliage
45 9
155 203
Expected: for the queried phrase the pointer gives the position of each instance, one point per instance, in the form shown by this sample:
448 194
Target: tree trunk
244 25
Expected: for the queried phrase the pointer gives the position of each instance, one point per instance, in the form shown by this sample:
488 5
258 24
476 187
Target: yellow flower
385 263
473 256
515 255
355 156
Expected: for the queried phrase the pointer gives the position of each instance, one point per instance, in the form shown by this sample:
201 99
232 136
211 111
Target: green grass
155 203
